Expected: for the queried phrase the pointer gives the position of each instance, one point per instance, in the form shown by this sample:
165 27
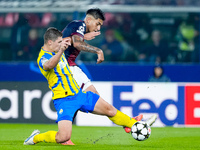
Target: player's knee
62 138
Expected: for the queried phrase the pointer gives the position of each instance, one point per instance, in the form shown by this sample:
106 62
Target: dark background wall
104 72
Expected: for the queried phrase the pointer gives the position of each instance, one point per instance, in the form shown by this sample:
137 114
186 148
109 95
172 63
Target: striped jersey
60 79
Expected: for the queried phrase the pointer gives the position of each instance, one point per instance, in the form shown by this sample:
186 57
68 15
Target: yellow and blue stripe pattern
60 78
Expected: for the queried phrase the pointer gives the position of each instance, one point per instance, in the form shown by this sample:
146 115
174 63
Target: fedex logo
174 104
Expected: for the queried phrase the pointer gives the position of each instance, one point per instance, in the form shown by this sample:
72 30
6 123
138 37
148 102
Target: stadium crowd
125 37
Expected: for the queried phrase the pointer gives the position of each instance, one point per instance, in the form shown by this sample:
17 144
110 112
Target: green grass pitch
12 137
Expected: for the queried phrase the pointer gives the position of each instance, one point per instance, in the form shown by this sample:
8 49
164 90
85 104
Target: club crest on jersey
43 60
61 111
81 30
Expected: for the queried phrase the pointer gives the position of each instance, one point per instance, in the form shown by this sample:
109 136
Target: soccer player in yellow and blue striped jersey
67 96
60 79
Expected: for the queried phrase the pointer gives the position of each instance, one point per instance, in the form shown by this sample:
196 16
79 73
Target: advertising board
176 104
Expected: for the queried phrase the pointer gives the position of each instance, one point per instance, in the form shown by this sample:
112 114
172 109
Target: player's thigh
92 89
64 130
104 108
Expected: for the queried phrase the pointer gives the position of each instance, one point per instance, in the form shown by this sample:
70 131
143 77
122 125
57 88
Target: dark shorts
83 101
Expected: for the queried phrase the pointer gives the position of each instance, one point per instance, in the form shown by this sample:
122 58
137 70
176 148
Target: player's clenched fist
100 56
65 43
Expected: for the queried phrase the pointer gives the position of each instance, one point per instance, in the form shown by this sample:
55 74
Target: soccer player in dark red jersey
79 30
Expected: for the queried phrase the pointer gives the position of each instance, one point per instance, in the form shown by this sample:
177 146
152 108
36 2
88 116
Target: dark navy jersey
76 27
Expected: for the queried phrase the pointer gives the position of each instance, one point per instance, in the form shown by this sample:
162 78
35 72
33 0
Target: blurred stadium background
136 36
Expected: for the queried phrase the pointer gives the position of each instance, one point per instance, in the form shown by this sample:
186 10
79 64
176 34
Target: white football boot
151 120
29 140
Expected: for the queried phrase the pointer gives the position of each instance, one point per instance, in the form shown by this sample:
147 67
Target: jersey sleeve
75 28
44 58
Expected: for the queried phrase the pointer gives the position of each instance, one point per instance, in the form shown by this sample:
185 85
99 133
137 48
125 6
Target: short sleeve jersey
76 27
60 78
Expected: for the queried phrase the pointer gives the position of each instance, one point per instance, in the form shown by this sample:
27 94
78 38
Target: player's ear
50 42
88 19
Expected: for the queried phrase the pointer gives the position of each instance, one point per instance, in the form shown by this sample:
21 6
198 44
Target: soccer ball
141 131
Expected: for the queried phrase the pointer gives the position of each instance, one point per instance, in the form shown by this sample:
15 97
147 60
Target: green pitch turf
12 137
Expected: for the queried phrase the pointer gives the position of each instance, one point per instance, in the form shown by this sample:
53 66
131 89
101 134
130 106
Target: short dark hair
52 34
96 13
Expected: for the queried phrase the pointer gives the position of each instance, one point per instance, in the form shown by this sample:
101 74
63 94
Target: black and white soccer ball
141 131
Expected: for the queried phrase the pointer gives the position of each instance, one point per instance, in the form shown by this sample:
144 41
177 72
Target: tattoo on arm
82 46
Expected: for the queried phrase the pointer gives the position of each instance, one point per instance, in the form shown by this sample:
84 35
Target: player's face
55 46
95 25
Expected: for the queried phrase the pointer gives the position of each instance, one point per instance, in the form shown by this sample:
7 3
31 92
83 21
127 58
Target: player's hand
100 57
65 43
91 35
67 40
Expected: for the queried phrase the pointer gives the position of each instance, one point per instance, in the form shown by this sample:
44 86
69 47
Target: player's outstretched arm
91 35
51 63
79 44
